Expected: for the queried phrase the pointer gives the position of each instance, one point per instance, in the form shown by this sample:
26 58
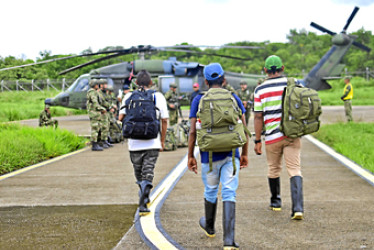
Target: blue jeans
222 172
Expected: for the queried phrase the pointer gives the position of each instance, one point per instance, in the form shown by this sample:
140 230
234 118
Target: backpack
170 140
181 131
221 129
141 121
301 108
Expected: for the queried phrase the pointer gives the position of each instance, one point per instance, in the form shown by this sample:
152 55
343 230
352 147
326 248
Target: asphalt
339 205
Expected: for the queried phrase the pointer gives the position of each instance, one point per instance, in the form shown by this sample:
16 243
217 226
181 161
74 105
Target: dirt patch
64 227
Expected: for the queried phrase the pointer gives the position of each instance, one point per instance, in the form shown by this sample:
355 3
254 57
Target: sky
71 26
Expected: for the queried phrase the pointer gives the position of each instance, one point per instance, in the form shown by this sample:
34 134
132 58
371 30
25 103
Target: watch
257 141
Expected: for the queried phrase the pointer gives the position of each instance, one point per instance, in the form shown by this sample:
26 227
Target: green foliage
346 138
21 146
363 92
21 105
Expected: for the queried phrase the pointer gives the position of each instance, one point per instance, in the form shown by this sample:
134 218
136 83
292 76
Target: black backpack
141 121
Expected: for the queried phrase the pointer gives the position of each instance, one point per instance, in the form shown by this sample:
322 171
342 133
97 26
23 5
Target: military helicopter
184 74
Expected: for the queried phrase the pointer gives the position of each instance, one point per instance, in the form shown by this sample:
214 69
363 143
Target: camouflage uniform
45 119
94 110
172 98
104 125
245 96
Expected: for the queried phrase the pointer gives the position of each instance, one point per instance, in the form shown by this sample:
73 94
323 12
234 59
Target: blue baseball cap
213 71
125 87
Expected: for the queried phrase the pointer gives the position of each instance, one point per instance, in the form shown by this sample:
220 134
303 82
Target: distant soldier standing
347 98
94 110
45 118
245 95
172 101
105 101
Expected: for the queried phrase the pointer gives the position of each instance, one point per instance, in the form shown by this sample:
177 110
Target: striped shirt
268 100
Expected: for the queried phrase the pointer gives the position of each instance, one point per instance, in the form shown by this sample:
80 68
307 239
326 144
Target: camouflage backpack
301 108
181 131
170 140
221 129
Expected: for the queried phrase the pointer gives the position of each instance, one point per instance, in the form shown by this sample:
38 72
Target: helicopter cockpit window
82 85
185 85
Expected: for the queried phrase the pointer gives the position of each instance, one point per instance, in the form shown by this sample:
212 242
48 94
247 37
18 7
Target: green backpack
170 140
221 129
181 131
301 108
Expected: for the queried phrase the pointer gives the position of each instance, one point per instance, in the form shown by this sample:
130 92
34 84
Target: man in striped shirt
268 113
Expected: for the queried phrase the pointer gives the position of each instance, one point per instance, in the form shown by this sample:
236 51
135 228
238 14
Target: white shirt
136 145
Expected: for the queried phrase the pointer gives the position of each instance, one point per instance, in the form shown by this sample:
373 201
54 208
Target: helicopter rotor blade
205 53
350 18
319 27
361 46
214 47
89 63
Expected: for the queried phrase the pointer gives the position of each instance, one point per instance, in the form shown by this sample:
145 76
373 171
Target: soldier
105 101
172 101
114 126
94 110
347 98
45 118
244 95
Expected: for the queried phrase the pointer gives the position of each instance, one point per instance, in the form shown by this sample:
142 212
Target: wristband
257 141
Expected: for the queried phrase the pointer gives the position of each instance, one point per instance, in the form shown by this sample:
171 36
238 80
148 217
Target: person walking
268 113
217 167
45 118
172 101
144 152
245 95
95 111
347 98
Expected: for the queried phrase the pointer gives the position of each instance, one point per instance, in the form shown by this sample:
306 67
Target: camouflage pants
173 117
104 127
50 123
95 127
144 163
247 114
348 110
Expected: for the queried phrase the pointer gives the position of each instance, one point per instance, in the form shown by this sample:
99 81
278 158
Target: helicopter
185 74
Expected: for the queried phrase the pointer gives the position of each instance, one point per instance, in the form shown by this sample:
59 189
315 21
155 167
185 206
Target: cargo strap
232 157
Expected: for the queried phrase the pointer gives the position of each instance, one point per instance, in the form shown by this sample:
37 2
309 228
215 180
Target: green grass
22 146
354 140
363 92
20 105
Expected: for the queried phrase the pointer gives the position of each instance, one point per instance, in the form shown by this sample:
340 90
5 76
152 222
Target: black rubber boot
103 144
207 222
297 198
96 147
275 200
146 187
107 143
229 225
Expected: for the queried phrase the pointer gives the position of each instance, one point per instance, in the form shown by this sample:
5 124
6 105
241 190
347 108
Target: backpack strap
290 81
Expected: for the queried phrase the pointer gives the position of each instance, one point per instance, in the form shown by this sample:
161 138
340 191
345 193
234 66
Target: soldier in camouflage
94 110
172 101
105 101
45 118
245 95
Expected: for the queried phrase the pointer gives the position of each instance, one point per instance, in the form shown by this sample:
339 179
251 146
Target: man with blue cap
217 166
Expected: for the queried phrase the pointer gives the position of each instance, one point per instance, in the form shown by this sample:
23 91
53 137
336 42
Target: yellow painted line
344 160
148 222
22 170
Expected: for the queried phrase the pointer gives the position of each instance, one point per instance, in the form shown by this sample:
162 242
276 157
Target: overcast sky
71 26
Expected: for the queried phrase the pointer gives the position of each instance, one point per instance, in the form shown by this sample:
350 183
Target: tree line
301 52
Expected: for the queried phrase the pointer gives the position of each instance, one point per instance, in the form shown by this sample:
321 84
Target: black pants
144 162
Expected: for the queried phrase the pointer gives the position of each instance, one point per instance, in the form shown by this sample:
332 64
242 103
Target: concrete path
339 205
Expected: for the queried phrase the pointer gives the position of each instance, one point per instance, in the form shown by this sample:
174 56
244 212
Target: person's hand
258 149
162 146
243 161
192 164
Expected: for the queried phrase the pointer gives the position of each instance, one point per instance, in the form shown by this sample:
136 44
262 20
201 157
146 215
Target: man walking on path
347 98
217 167
268 112
144 152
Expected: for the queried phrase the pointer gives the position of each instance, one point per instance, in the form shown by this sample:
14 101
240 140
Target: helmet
93 83
110 88
173 85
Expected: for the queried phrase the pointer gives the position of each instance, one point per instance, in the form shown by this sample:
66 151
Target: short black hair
217 81
143 78
274 69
